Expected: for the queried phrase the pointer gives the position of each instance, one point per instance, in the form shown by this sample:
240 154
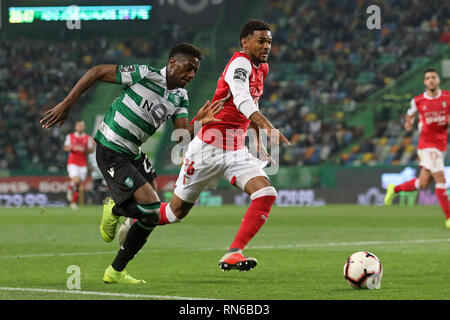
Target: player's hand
208 111
276 138
56 115
408 126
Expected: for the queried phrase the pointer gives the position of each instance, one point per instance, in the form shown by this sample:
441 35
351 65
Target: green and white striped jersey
145 104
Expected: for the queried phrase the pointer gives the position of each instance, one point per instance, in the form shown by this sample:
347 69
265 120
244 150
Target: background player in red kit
219 149
79 145
433 109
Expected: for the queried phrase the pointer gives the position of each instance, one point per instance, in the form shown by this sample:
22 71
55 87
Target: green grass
301 254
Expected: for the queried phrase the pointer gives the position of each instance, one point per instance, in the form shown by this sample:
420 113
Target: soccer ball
363 270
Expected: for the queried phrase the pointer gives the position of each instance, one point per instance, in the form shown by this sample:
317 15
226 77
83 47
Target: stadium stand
319 77
36 74
325 62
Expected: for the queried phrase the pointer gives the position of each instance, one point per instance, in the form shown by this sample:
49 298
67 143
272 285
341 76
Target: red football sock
256 215
406 186
162 214
75 197
442 196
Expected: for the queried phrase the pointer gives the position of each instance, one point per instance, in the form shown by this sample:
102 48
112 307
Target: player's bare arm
59 113
409 121
261 121
93 146
262 152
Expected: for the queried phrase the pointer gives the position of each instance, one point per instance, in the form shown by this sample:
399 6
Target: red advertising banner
41 184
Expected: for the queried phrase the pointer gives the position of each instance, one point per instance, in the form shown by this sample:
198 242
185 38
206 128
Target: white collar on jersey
254 65
430 98
163 72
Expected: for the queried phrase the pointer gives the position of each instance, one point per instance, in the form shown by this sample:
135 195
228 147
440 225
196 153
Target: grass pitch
301 253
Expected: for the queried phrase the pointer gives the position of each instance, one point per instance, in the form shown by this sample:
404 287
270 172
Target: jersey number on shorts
189 169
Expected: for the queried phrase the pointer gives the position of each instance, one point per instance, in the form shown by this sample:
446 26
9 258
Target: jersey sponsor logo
159 112
130 68
240 74
176 99
129 182
438 117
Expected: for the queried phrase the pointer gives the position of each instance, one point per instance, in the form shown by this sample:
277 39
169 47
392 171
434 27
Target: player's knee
423 185
269 192
263 199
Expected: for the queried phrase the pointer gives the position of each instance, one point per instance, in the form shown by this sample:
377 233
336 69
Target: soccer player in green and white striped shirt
149 97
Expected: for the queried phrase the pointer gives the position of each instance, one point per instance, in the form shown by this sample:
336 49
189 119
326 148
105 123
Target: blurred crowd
36 74
325 61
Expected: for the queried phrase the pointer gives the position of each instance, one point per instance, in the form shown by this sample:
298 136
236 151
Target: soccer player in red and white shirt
79 145
219 150
433 109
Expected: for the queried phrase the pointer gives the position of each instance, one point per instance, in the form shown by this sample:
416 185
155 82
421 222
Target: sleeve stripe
181 115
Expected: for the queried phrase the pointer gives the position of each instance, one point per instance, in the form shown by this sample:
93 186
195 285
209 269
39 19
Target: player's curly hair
251 25
186 48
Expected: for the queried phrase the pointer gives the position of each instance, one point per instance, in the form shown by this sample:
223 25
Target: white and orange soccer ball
363 270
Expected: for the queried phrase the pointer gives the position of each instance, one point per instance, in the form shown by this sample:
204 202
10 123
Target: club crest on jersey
444 104
176 99
129 182
240 74
130 68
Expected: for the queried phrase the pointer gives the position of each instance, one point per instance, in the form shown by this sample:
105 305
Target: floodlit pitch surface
301 253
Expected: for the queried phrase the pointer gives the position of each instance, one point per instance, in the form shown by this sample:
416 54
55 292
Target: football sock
137 235
135 240
255 217
166 215
410 185
75 196
131 209
441 194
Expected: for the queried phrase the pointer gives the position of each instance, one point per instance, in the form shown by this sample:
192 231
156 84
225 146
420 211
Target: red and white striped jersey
240 86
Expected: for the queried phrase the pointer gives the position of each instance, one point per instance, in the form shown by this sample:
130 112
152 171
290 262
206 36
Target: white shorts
205 164
77 171
431 159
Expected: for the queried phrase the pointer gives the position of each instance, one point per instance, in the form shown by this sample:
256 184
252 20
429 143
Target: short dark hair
251 25
187 49
430 70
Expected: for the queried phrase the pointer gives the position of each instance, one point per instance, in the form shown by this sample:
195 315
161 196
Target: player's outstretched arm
59 113
273 133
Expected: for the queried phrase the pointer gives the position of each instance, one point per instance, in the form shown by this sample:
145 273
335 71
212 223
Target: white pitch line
339 244
287 246
106 294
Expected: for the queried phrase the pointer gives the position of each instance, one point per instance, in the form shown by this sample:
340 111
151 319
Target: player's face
258 45
181 70
79 127
431 80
